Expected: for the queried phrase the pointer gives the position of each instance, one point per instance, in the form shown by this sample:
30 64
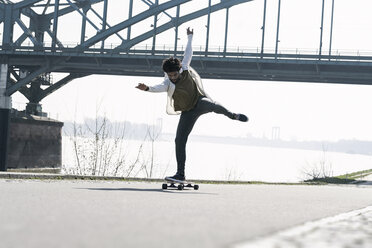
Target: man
186 96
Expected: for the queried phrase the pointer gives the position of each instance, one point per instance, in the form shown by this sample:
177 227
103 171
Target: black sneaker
240 117
176 177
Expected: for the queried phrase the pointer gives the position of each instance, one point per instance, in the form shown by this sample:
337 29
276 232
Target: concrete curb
342 230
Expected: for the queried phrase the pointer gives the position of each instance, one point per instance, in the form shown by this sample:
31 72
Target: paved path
78 213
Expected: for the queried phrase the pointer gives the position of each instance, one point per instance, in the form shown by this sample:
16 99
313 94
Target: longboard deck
171 183
176 181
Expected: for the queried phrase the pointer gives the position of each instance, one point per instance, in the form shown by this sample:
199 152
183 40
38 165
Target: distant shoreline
135 131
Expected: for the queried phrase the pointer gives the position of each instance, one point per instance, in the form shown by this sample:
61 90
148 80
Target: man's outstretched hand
142 86
190 31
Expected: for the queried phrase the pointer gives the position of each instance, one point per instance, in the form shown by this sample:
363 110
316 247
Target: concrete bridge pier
5 106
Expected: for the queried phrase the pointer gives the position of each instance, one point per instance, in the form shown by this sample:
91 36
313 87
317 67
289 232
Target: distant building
275 133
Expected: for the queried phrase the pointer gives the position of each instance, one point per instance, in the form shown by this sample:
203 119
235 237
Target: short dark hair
171 64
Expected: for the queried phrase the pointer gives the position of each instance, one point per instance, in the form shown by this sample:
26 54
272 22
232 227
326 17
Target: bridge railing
169 50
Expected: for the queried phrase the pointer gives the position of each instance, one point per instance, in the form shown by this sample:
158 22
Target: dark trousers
186 123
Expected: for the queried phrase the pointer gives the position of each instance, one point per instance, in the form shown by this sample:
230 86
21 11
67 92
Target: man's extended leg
206 105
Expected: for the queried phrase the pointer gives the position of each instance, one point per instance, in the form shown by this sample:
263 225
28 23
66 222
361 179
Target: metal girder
255 68
2 9
24 7
208 25
12 89
57 41
55 26
46 7
82 14
321 30
277 30
125 24
21 39
155 25
25 3
28 12
176 29
58 85
263 28
28 33
24 90
14 74
70 9
103 19
130 14
183 19
151 4
108 25
226 29
8 25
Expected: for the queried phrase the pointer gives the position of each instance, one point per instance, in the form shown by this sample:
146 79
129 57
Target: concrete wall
34 142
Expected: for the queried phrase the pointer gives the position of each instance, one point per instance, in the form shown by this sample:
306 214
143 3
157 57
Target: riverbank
360 177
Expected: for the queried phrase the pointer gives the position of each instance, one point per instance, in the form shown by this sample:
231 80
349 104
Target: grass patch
356 175
348 178
331 180
36 170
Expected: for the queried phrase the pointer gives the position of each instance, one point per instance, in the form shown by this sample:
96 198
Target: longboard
180 185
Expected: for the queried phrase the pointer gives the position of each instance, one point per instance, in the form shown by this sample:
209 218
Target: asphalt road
64 213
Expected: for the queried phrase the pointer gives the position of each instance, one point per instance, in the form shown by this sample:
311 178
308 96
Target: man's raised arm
188 51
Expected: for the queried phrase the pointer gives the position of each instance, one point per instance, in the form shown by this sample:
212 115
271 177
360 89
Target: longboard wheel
196 187
164 186
180 187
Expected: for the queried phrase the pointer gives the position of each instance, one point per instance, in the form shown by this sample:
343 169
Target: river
215 161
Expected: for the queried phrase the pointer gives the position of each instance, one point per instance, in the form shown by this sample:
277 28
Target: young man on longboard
187 97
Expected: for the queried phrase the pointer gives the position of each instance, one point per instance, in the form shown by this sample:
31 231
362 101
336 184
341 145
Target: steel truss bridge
28 60
30 65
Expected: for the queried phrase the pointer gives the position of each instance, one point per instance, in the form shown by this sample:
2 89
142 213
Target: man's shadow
184 191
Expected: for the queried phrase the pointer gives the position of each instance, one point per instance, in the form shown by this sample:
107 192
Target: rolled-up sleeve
163 87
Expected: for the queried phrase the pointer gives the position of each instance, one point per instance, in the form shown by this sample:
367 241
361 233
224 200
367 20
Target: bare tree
319 169
100 148
153 133
103 148
232 174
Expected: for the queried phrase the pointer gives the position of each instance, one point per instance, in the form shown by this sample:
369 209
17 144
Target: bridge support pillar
5 106
34 109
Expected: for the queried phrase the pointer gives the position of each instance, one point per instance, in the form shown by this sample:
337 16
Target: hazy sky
303 111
